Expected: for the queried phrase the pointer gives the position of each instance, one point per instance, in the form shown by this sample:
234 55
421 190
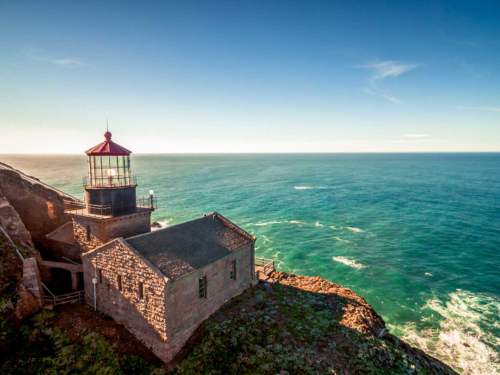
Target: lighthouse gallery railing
82 208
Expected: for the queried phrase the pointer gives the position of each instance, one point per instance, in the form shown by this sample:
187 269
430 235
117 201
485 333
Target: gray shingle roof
183 248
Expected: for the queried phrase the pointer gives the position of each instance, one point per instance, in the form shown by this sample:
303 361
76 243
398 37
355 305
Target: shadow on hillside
274 327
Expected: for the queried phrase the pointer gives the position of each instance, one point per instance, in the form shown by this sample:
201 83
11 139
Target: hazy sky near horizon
250 76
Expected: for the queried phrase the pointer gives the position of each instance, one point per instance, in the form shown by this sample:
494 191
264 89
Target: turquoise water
417 235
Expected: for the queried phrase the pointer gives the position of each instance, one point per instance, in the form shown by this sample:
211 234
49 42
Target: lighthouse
110 208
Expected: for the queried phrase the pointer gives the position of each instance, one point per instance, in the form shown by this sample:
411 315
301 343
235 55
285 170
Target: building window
87 232
99 276
119 281
232 274
202 287
140 292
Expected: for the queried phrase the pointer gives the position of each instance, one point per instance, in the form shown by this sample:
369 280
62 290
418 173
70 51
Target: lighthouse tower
110 208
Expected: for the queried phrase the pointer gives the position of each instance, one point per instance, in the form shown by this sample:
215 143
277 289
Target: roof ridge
228 223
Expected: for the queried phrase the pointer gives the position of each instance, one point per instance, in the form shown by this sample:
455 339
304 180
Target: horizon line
265 153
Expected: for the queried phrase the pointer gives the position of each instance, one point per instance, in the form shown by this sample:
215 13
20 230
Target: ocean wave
274 222
340 239
318 224
307 187
266 223
349 262
354 229
465 338
265 238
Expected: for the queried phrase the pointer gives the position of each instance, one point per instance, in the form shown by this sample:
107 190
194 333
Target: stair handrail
48 290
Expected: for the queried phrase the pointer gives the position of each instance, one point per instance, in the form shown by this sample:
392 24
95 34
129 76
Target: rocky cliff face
16 301
23 208
11 222
39 206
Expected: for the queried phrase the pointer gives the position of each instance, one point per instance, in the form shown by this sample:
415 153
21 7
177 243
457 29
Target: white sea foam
461 340
163 224
428 274
349 262
318 224
308 187
266 223
265 238
354 229
340 239
334 227
274 222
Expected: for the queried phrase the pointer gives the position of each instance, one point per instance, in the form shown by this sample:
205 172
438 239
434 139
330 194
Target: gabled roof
63 233
183 248
108 148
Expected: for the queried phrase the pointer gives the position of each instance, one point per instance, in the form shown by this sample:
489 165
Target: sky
250 76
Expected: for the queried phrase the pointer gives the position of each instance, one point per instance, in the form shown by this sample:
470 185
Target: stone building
160 285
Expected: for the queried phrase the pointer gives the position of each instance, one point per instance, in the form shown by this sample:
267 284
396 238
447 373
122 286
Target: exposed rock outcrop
12 223
27 304
40 207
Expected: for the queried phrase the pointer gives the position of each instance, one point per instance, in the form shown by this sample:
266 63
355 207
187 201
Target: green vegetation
10 272
291 331
37 347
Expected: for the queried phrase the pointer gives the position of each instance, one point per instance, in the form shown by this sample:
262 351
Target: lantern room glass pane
109 171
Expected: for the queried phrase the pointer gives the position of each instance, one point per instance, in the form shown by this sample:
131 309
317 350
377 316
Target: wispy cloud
40 55
480 108
377 92
382 70
385 69
67 62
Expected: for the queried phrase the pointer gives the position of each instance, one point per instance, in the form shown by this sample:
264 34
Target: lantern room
110 187
108 165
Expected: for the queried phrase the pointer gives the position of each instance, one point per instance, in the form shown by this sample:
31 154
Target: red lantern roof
108 148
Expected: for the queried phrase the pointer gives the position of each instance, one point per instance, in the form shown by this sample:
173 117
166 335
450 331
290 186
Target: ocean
417 235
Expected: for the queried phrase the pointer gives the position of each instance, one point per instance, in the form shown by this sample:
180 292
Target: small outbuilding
161 285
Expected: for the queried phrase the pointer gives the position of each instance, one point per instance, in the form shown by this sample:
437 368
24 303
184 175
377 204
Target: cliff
39 206
16 301
293 324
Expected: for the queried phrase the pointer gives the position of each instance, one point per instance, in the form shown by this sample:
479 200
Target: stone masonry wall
80 234
186 311
146 317
103 230
129 225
